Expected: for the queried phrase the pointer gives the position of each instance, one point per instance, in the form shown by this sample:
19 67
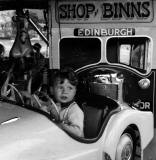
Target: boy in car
63 108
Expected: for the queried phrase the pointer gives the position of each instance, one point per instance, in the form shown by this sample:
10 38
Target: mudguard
120 121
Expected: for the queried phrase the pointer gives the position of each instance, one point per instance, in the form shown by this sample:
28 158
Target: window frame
147 59
85 38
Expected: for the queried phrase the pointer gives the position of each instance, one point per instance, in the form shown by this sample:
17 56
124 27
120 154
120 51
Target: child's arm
72 128
51 108
74 122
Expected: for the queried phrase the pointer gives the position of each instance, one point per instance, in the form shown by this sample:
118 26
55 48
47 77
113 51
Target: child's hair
62 74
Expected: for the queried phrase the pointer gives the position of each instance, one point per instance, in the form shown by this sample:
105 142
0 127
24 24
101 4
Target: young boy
63 107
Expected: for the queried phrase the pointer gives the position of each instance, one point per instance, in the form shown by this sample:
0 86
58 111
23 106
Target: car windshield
79 52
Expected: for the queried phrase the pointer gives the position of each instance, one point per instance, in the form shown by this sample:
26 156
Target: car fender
120 121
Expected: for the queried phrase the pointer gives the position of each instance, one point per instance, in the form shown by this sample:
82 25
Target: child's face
64 92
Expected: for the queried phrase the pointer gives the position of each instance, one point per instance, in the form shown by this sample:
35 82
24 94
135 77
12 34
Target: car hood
22 130
13 115
28 135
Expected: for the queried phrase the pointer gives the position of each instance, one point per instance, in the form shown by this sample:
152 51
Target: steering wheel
43 102
10 92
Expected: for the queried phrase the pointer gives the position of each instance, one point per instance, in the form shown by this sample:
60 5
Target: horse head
22 47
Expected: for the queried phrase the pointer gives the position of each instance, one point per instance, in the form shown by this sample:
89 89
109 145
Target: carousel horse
21 58
22 46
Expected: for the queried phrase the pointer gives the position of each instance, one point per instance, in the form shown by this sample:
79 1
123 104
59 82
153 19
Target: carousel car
111 129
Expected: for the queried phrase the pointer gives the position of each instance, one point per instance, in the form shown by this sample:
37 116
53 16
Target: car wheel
125 147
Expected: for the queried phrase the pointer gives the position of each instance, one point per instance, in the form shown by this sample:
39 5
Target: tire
125 147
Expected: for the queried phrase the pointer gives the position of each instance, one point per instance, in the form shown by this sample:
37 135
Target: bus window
125 50
79 52
130 51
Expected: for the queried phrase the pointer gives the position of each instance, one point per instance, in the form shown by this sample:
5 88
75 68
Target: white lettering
130 31
105 32
87 32
80 32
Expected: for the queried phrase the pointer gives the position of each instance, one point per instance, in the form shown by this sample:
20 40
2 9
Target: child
64 109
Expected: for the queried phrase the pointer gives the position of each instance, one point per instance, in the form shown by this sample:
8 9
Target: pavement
150 151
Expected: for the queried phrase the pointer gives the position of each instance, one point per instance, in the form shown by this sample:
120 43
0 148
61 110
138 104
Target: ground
150 151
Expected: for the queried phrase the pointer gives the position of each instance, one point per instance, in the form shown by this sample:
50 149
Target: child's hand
54 114
49 108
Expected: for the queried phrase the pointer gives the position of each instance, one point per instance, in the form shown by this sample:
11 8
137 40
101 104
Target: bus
110 45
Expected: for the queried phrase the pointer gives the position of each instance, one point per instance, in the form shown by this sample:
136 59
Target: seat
92 121
96 108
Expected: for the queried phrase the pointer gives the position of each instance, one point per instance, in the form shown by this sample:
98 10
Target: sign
142 105
104 32
99 11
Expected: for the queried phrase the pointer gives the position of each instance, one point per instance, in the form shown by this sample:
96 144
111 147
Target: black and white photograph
77 79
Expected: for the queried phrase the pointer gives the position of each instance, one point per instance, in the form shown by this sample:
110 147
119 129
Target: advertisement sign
87 11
